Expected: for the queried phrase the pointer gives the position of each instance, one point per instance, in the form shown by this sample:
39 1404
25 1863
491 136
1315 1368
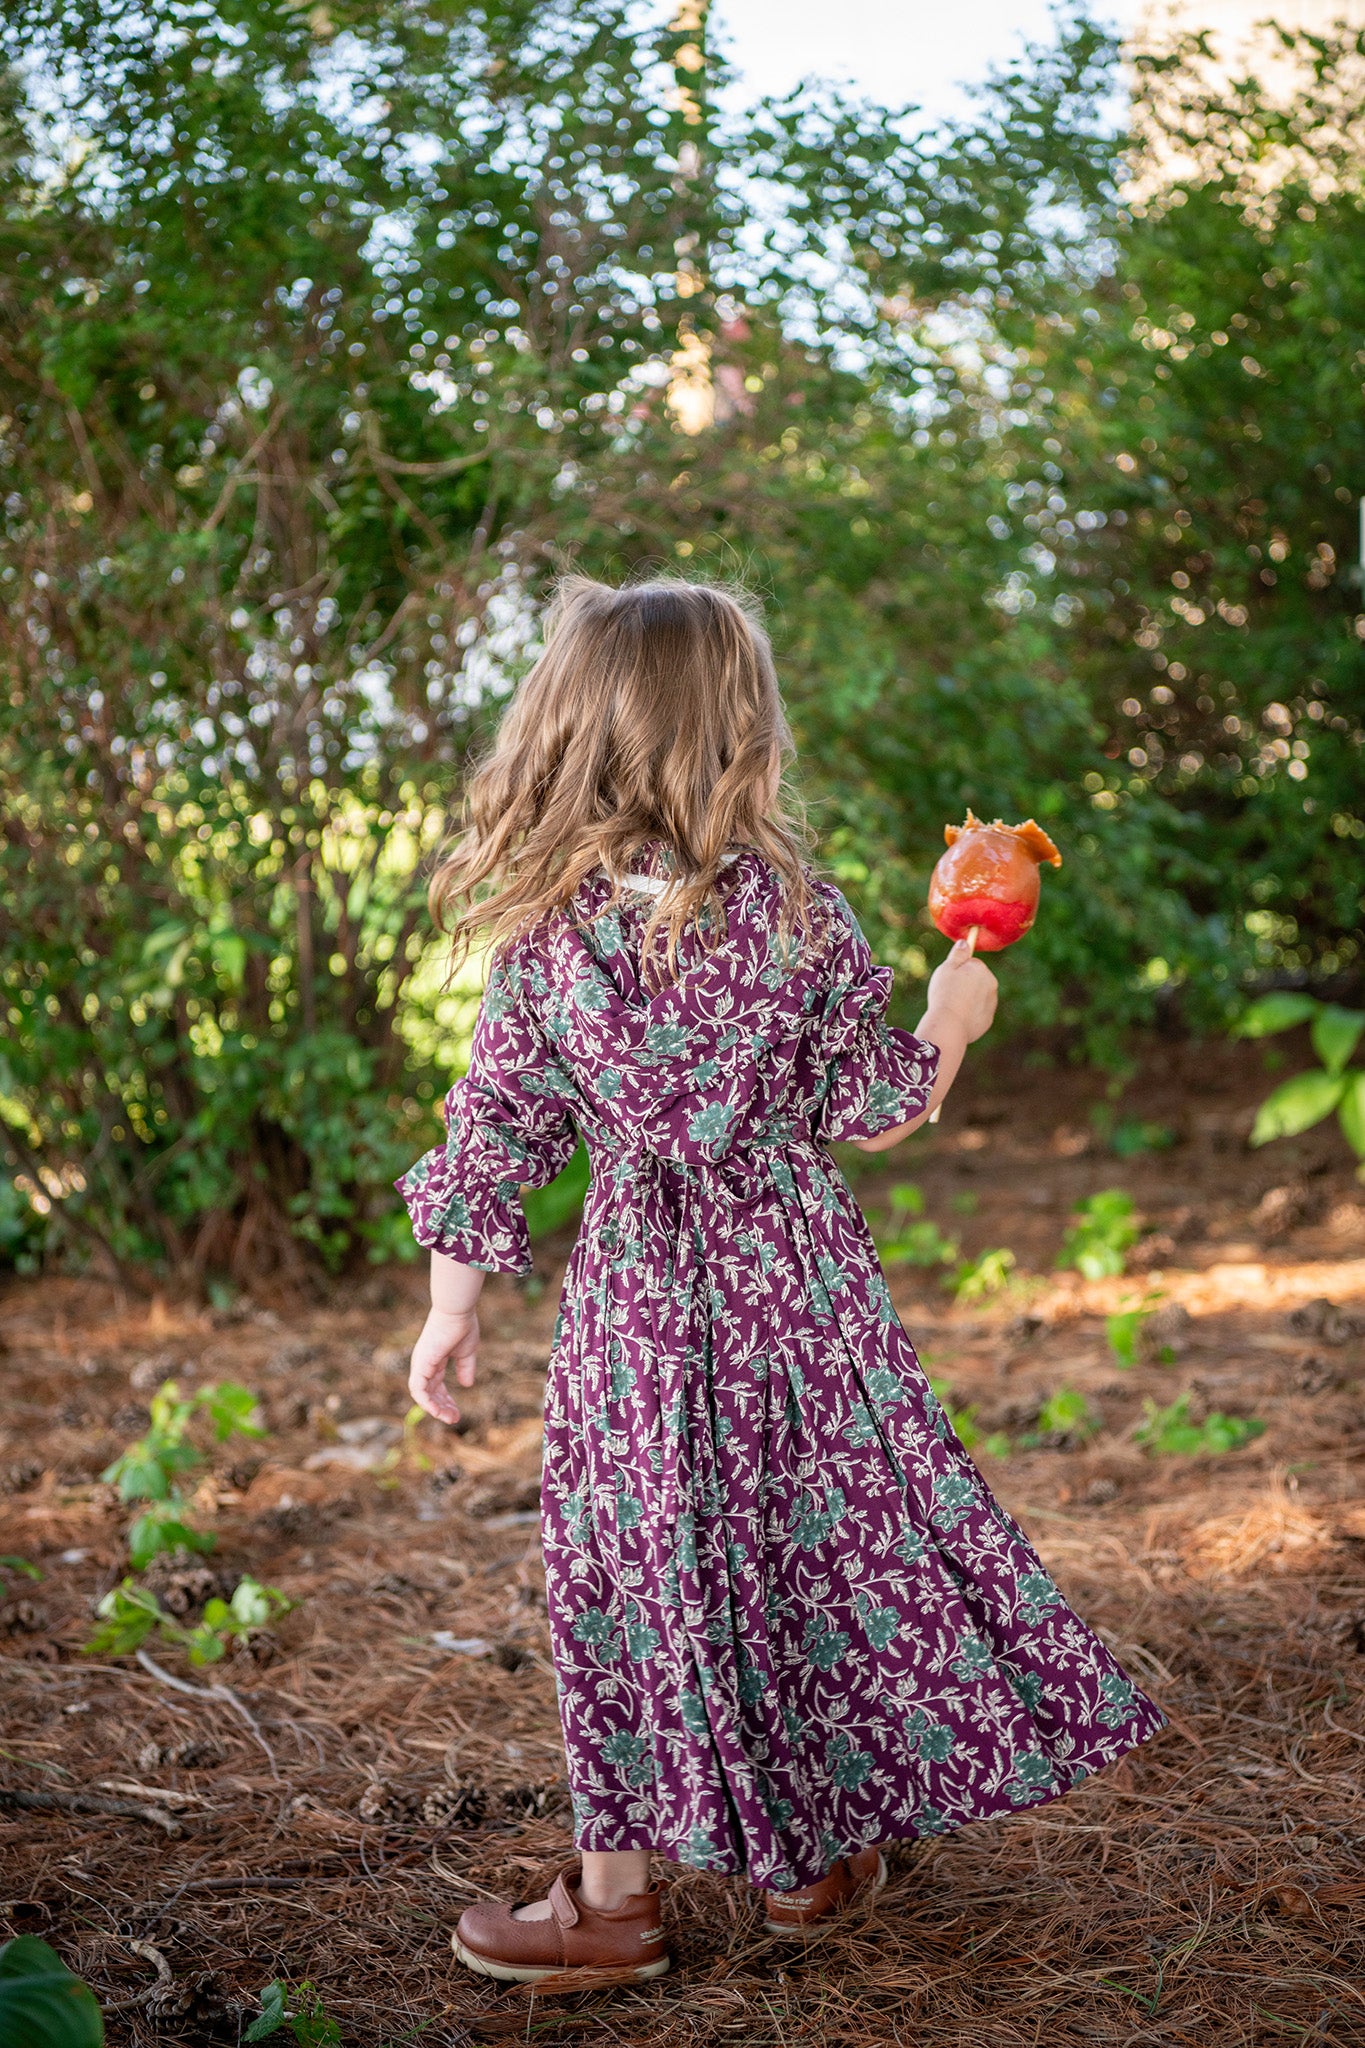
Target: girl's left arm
450 1336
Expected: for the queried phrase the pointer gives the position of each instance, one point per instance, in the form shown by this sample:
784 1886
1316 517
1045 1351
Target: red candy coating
989 878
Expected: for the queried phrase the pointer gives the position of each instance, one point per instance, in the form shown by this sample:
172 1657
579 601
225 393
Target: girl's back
789 1619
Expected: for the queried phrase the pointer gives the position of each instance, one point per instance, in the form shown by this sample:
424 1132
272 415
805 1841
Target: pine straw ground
330 1818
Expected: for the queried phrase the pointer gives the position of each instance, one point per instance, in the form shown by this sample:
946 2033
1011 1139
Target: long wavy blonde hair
651 727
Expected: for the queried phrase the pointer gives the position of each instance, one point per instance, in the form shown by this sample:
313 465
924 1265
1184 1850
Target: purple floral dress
789 1618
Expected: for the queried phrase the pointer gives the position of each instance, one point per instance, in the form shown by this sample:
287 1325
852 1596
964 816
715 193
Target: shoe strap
563 1905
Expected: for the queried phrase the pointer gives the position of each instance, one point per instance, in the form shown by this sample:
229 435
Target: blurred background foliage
329 334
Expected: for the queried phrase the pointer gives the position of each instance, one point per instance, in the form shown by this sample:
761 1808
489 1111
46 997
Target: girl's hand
449 1337
965 990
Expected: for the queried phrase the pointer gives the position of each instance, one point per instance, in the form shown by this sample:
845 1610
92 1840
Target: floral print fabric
789 1618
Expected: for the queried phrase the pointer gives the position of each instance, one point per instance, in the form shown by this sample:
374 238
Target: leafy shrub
908 1237
1169 1433
1104 1232
130 1613
148 1469
1305 1099
977 1279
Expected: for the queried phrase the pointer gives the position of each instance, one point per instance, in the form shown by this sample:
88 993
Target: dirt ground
390 1752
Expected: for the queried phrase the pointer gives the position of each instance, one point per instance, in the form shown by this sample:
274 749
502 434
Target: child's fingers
464 1370
427 1385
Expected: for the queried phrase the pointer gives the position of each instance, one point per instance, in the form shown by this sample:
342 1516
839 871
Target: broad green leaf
1279 1011
1352 1112
1335 1035
232 1410
1297 1105
43 2004
162 1529
272 2014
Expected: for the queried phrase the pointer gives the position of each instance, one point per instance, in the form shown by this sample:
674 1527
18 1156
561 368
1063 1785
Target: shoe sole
782 1931
583 1977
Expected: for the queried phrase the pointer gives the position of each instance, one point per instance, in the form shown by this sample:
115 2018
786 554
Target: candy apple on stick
985 887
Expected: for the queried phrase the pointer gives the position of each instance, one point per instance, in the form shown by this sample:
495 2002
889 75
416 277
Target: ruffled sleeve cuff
464 1197
877 1076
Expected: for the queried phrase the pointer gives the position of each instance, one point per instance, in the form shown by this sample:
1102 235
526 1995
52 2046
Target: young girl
789 1620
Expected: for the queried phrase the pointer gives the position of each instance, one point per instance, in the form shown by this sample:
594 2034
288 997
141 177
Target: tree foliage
328 335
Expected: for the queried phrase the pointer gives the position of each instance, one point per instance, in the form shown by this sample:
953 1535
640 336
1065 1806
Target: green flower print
664 1042
1033 1774
1119 1697
954 1498
824 1646
929 1820
498 997
686 1546
622 1378
692 1708
884 1105
454 1216
784 1180
811 1525
879 1299
911 1547
701 1852
794 1724
590 995
886 1387
779 1811
605 936
630 1511
848 1767
577 1512
550 1080
709 1126
860 1428
598 1631
882 1623
610 1082
753 1683
973 1659
832 1274
703 1074
1028 1688
630 1753
1038 1596
641 1641
929 1739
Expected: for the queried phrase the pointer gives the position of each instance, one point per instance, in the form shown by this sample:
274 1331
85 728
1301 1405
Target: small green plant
1131 1137
16 1564
42 2003
1169 1433
297 2007
1125 1330
1103 1233
149 1468
1306 1098
964 1424
131 1613
965 1203
1066 1413
977 1279
912 1239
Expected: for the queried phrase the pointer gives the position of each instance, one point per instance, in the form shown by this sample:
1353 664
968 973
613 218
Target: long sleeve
876 1075
508 1125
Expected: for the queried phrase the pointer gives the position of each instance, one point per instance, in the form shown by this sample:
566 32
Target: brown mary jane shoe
612 1945
813 1909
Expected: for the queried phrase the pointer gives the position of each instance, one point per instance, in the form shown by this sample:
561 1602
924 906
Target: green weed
297 2007
1066 1413
912 1239
131 1613
148 1469
1169 1433
1124 1332
977 1279
1104 1232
